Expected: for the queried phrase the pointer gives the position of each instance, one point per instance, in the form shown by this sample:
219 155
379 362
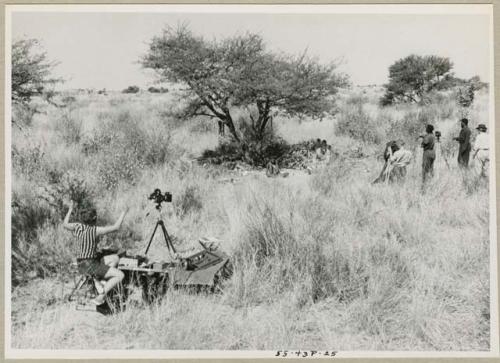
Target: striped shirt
86 241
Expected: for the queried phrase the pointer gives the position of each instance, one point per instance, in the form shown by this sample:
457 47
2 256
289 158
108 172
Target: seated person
272 169
398 161
87 234
390 148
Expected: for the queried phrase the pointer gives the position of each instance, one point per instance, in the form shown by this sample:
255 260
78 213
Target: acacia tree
238 72
411 79
31 71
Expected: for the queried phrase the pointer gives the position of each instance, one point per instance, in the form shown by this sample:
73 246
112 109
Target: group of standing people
480 149
397 158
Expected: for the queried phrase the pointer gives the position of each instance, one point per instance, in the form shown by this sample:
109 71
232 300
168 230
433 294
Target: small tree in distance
411 79
31 72
238 72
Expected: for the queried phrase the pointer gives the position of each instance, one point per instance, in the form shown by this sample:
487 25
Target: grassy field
322 261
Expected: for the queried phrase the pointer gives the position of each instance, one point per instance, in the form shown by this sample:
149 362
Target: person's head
481 128
464 122
324 142
429 129
89 216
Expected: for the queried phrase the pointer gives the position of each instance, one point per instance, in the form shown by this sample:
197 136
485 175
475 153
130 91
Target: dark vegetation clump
131 89
153 89
279 152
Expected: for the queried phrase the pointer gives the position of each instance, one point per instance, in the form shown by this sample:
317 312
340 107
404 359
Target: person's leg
425 167
111 260
466 157
113 277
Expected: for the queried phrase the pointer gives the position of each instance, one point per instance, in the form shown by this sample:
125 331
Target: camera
159 198
437 134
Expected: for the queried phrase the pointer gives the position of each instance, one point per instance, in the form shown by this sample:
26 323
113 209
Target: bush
122 146
23 114
70 128
28 161
157 90
355 122
465 96
411 125
117 165
188 201
49 254
131 89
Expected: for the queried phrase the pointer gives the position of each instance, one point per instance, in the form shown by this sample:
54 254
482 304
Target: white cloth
481 154
401 158
482 141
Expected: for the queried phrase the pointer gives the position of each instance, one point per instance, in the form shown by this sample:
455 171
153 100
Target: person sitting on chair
87 234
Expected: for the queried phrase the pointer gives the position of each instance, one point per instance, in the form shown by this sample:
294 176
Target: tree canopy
238 72
411 79
31 71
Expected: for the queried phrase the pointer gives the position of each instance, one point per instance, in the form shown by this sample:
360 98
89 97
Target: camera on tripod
159 198
438 135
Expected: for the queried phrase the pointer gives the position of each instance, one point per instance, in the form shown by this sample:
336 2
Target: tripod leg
151 239
168 241
78 286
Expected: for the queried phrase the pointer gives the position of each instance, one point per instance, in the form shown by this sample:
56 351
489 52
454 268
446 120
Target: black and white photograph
273 181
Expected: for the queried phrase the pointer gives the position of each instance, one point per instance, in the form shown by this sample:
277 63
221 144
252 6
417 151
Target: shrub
157 90
465 96
411 125
188 201
122 146
116 166
28 161
355 122
69 127
131 89
23 114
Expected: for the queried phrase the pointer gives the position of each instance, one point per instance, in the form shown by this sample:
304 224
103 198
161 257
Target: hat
481 127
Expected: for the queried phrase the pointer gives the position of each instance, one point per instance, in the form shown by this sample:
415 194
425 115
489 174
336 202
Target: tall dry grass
326 260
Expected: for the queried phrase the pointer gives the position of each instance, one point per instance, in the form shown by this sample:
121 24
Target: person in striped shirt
87 234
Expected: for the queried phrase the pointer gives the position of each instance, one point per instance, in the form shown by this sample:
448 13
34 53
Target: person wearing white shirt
481 155
398 162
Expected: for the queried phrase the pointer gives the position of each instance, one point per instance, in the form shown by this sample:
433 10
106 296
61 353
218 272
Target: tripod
168 240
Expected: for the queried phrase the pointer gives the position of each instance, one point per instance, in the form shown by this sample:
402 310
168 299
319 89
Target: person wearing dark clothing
429 155
464 144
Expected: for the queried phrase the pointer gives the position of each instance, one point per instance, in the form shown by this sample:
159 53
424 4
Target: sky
103 49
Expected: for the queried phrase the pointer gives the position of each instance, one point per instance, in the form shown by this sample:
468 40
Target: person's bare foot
99 286
99 300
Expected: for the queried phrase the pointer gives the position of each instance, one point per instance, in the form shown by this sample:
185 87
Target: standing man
481 154
464 144
429 155
87 234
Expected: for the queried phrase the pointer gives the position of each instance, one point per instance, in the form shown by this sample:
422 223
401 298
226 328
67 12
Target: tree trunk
221 128
229 122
